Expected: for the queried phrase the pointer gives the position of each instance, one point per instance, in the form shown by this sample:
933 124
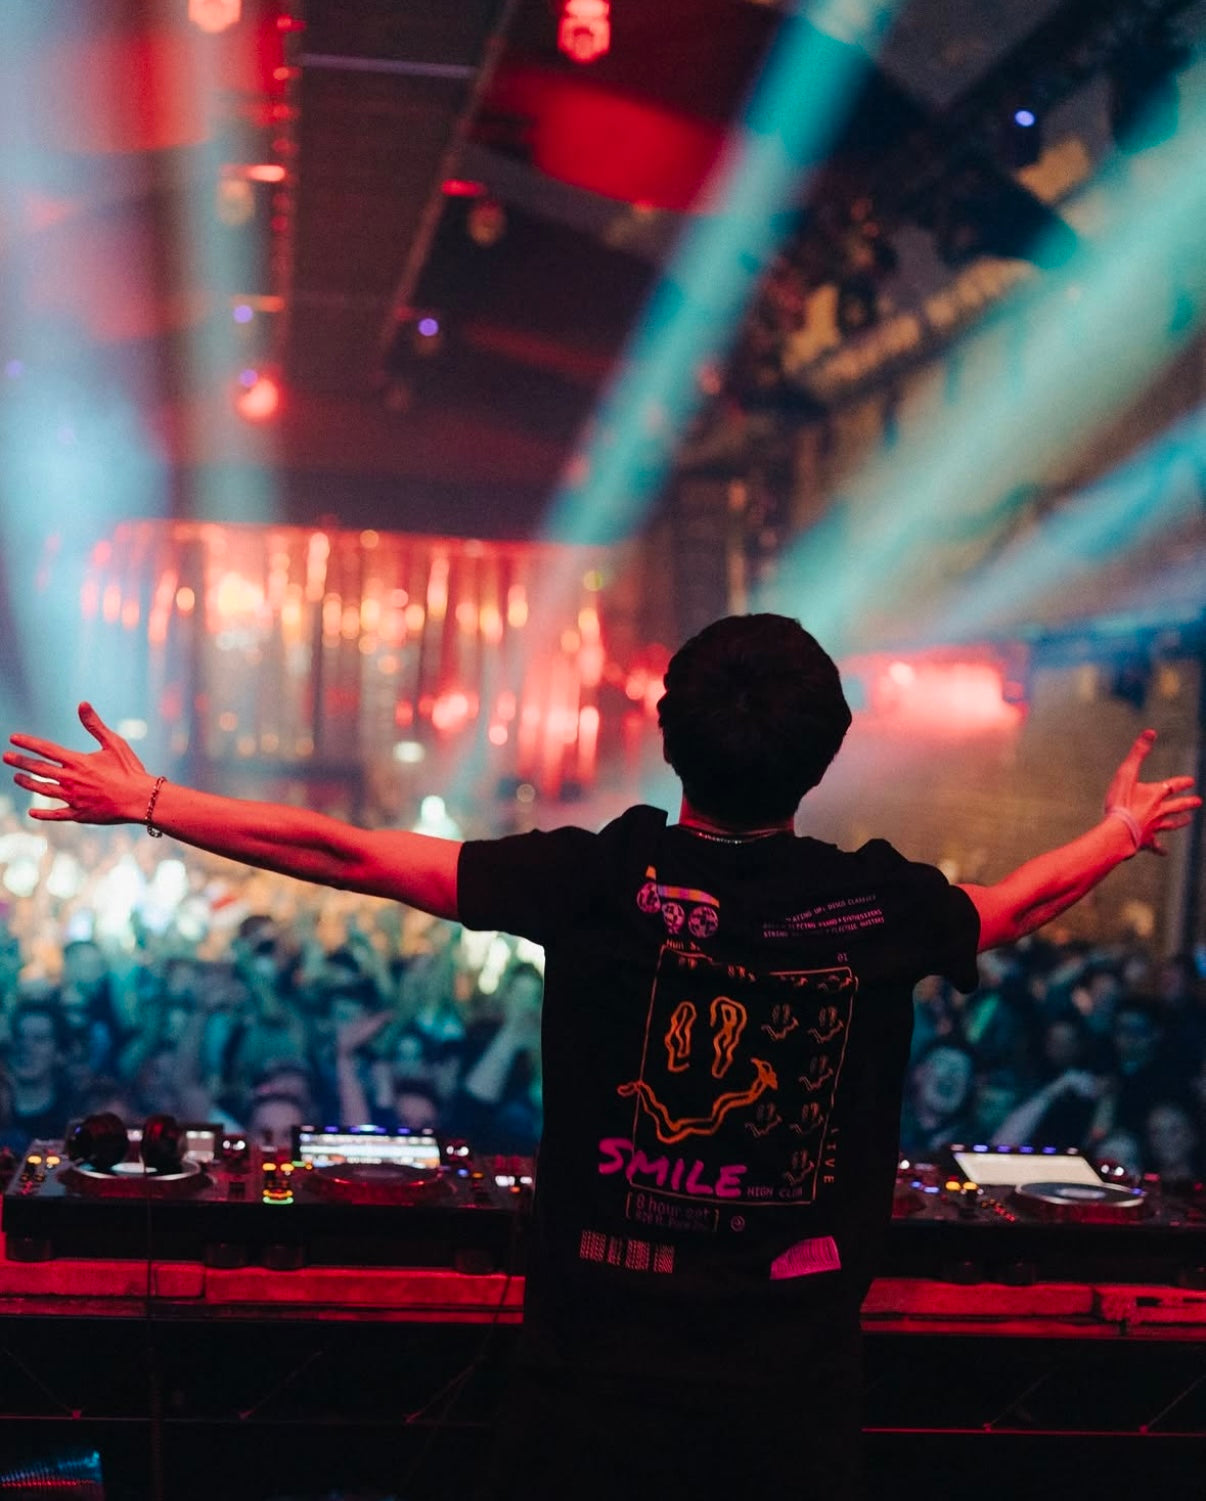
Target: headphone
101 1142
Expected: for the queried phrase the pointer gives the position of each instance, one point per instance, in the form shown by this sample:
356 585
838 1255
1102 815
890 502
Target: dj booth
338 1320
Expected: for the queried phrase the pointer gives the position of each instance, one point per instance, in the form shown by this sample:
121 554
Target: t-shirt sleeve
938 924
957 938
532 885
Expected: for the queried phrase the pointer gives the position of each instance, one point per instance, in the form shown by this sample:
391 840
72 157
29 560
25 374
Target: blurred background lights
67 877
213 16
260 401
434 819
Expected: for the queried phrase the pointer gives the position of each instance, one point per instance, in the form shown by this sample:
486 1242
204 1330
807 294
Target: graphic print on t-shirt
736 1086
680 907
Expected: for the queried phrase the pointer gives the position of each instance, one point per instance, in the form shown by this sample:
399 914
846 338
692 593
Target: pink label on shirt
820 1254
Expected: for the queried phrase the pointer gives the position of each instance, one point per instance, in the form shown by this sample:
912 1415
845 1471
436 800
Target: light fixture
584 33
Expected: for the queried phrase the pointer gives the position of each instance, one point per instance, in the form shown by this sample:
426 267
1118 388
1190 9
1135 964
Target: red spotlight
214 15
585 30
462 187
260 400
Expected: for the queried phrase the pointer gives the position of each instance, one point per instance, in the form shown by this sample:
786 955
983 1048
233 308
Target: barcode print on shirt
633 1255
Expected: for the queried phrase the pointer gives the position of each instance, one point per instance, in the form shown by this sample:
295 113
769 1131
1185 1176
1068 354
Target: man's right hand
109 785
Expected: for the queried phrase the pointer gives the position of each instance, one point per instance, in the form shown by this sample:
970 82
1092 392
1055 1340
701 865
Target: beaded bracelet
1129 819
154 798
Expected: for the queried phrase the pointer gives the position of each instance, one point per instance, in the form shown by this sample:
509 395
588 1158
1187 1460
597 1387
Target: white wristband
1130 820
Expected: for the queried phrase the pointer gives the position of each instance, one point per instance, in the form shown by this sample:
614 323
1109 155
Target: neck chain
746 838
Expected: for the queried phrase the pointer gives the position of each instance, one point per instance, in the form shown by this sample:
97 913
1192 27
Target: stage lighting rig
1021 135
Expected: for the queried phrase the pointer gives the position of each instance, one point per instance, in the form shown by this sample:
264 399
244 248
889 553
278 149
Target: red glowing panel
630 149
945 699
585 30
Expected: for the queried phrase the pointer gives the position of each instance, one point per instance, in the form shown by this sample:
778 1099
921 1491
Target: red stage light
214 15
585 30
928 697
261 400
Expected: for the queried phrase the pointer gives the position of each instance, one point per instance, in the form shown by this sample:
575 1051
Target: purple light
248 377
1025 117
243 313
15 369
429 327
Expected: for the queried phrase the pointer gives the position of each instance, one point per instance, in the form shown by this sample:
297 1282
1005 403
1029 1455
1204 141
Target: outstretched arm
1137 813
111 785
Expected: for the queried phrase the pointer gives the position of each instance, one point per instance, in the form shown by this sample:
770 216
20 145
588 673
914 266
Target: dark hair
752 716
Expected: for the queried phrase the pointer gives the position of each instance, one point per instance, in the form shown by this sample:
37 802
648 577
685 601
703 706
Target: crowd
138 981
1100 1047
140 978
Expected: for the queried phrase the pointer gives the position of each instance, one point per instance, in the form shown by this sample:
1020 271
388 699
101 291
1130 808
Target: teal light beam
76 453
800 101
219 264
1145 498
1094 334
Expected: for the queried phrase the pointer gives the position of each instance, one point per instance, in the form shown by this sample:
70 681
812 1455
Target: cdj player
339 1197
1023 1214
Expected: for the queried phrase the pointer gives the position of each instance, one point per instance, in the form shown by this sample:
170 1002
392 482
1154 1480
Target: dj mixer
334 1198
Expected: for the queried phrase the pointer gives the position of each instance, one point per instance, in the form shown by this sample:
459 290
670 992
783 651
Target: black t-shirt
726 1027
